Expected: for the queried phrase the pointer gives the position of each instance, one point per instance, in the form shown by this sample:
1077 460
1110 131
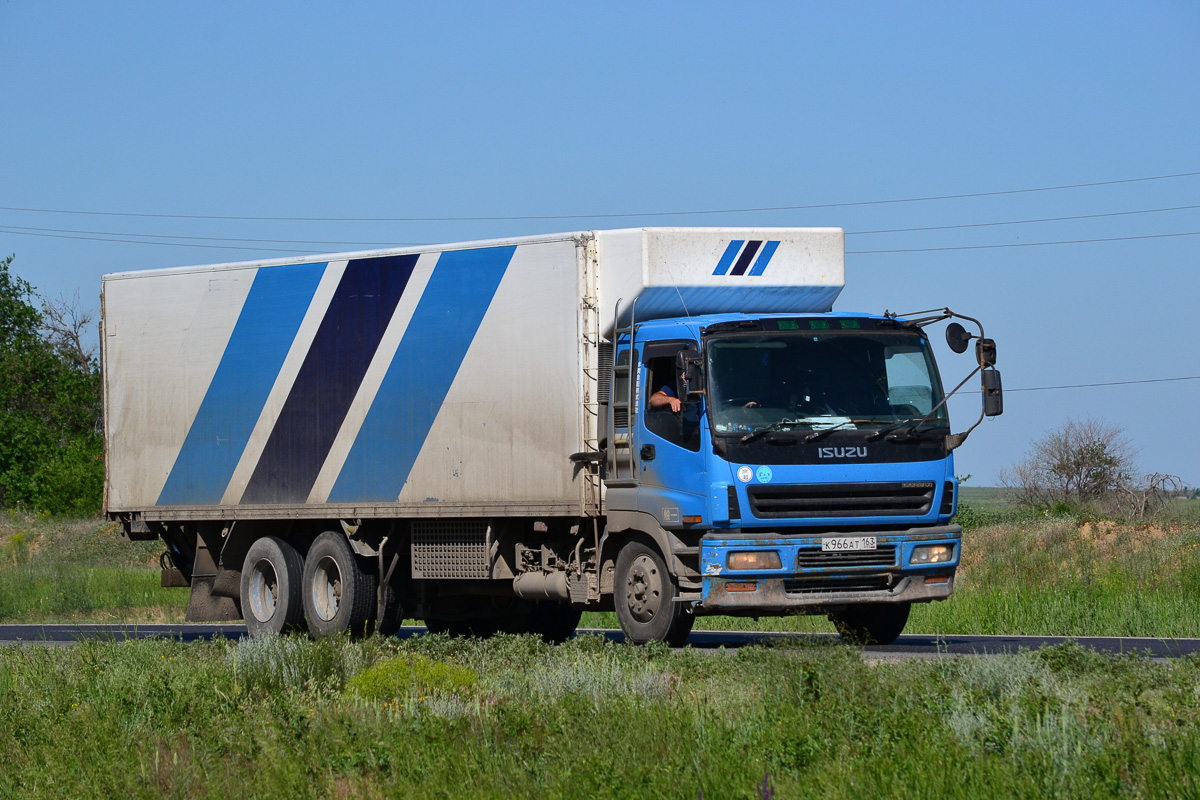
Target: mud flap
204 606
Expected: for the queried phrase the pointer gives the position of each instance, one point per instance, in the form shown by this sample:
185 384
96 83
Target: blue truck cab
795 463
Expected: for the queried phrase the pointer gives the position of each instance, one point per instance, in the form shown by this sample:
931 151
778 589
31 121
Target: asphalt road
908 646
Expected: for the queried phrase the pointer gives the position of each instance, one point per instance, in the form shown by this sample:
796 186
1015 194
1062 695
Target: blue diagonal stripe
764 258
328 379
261 338
730 254
441 330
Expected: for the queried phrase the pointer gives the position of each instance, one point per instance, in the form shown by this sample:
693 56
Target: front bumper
810 579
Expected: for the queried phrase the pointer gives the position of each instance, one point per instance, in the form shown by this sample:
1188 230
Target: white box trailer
495 435
415 382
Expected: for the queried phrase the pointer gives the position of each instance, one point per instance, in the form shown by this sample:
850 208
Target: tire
873 623
460 617
554 622
339 595
678 635
272 573
644 597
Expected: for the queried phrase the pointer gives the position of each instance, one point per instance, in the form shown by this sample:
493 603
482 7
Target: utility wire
1021 244
526 217
167 244
8 230
19 228
1021 221
1110 383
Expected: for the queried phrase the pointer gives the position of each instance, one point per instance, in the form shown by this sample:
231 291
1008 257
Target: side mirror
985 352
993 393
957 337
687 363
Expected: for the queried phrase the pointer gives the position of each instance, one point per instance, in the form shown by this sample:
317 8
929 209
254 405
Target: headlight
932 554
754 559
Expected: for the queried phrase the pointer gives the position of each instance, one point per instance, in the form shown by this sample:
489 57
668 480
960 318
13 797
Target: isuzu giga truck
498 435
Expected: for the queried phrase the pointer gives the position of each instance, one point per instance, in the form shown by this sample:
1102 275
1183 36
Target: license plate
842 544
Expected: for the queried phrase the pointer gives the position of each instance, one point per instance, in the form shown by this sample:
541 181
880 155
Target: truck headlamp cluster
932 554
754 559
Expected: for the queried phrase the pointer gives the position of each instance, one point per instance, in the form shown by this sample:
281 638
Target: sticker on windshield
764 475
745 474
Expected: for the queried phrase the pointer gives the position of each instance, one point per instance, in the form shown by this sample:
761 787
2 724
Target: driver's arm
661 399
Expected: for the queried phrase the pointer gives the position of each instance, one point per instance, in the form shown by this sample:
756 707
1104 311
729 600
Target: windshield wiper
885 431
812 437
774 426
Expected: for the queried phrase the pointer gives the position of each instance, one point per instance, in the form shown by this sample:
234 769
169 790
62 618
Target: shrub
71 481
408 674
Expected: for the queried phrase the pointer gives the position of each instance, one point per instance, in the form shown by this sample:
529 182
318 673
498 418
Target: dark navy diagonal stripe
435 343
727 257
267 324
329 378
746 257
760 266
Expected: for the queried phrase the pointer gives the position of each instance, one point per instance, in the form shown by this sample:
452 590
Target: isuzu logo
841 452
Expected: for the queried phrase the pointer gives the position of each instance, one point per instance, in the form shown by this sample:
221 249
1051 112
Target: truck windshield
816 380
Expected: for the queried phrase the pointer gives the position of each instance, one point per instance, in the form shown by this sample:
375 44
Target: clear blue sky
512 109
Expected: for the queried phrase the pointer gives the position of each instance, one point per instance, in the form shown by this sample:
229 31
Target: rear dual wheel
339 595
329 588
271 587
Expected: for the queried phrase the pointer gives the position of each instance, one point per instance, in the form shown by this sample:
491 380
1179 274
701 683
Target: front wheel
339 595
644 596
872 623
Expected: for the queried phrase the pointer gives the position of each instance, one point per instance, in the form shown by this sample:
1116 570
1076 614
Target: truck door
673 482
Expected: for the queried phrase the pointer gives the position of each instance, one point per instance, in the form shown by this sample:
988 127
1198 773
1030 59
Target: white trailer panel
450 380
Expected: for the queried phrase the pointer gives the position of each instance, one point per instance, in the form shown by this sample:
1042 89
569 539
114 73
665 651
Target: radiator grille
841 500
820 585
814 558
449 549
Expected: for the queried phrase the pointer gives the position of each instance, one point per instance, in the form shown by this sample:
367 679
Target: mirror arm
933 410
956 439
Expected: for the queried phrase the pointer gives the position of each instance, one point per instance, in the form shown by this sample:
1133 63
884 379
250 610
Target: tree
1082 461
51 446
65 323
1087 461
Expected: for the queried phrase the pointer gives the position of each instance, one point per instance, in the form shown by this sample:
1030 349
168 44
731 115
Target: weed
400 676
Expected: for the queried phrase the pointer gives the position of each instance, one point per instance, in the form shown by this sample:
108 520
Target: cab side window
681 428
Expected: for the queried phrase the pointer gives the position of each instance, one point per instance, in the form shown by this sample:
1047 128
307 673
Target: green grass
283 718
984 497
55 569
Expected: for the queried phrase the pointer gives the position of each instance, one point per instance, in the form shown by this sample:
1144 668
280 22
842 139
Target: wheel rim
643 589
264 591
327 588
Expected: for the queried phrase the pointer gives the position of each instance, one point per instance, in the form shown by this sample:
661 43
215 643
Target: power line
340 243
165 244
528 217
1021 221
20 228
1021 244
1110 383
